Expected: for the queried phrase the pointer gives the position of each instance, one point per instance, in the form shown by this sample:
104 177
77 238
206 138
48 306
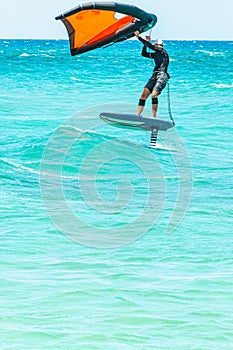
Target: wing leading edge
97 24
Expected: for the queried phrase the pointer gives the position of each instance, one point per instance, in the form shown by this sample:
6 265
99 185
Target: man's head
158 42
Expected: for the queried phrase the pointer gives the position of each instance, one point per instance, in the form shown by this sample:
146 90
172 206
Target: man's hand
137 33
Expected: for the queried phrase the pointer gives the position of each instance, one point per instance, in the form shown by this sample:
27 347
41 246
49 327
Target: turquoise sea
106 243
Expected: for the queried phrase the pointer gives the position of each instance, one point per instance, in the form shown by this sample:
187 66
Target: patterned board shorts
157 81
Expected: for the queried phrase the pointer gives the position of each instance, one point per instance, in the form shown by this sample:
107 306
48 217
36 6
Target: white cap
158 42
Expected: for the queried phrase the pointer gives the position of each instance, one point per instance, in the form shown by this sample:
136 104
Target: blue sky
177 19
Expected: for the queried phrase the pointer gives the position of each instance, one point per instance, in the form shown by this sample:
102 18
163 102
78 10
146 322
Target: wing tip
59 17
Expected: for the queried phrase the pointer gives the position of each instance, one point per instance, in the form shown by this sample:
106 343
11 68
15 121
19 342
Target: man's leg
161 80
154 103
142 101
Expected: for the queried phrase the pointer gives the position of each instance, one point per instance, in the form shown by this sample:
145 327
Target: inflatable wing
97 24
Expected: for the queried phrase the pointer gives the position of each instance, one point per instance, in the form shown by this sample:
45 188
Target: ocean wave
17 165
35 55
24 55
222 86
210 53
18 168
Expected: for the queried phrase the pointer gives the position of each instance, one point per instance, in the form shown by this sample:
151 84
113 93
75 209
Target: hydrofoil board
122 120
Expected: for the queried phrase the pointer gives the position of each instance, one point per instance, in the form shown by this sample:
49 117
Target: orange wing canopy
95 25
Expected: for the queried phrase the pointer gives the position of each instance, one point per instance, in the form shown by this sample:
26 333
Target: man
159 78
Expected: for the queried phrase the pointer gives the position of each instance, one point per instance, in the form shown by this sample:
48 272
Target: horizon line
132 39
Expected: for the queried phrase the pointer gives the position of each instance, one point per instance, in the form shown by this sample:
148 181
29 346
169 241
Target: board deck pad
122 120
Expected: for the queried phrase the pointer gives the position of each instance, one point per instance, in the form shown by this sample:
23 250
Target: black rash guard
160 56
